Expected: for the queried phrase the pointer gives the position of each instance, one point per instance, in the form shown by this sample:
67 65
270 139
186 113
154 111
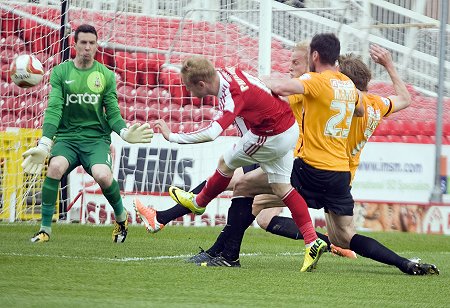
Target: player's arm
35 157
206 134
199 136
359 106
284 87
136 133
382 56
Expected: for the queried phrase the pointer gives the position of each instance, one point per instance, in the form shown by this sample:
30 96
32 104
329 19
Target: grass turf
80 266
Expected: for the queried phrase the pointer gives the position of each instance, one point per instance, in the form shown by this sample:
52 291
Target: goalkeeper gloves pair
34 158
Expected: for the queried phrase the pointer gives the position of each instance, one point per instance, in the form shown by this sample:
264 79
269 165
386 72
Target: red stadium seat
446 140
9 23
424 139
446 129
411 128
427 128
394 138
187 127
406 128
136 112
159 95
171 114
186 114
375 138
382 129
142 94
409 139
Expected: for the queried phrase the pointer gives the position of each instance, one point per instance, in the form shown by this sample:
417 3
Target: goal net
144 44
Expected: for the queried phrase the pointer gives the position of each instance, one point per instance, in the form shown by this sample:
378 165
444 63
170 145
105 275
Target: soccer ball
26 71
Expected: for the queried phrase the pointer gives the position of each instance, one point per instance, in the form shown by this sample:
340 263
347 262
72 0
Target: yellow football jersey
376 107
296 103
329 101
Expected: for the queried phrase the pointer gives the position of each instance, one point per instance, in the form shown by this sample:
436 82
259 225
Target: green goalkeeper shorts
85 153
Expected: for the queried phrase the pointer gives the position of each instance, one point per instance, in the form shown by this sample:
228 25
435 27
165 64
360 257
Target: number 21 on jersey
338 125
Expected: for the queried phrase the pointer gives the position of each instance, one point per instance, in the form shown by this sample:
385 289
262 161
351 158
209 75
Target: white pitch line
125 259
157 258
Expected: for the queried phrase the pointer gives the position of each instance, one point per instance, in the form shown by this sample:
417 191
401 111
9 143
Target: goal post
21 193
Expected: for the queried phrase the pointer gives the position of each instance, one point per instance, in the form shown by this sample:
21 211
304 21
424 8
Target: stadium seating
147 88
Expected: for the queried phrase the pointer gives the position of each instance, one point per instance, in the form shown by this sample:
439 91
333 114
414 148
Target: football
26 71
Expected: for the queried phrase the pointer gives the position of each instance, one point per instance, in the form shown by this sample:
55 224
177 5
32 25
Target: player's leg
279 169
216 184
239 213
63 160
342 232
240 217
96 160
164 217
235 157
267 209
156 220
315 247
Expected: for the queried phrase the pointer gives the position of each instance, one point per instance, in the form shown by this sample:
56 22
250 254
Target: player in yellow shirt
322 172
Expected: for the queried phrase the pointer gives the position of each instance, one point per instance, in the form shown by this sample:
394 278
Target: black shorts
250 168
323 189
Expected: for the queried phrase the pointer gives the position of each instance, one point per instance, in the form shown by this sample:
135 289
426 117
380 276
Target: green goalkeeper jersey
82 104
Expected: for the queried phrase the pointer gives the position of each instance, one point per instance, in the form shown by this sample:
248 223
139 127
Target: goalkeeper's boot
186 199
201 257
312 255
148 216
120 231
40 237
414 268
341 252
221 261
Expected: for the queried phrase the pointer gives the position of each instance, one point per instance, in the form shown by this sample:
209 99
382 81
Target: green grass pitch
81 267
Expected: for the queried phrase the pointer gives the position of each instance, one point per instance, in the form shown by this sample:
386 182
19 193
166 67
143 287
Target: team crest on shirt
96 82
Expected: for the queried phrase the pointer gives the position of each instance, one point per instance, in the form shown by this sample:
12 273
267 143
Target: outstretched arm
202 135
382 56
284 87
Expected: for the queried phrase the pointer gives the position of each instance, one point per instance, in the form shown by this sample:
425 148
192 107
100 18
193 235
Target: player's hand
34 158
162 126
380 55
137 133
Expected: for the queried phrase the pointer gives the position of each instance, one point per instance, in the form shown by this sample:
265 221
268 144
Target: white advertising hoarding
397 172
388 173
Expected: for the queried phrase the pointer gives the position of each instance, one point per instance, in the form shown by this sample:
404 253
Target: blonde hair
197 68
302 46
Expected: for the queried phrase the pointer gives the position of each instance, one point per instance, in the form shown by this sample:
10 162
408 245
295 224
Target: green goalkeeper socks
49 196
112 194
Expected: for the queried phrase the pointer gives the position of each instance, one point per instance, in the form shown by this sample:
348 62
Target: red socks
214 186
300 214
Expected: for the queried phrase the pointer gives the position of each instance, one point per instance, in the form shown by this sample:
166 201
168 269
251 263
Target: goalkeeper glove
34 158
137 133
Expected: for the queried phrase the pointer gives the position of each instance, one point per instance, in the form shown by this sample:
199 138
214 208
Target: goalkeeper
82 112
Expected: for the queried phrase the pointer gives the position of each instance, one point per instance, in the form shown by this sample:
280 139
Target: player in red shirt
271 137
